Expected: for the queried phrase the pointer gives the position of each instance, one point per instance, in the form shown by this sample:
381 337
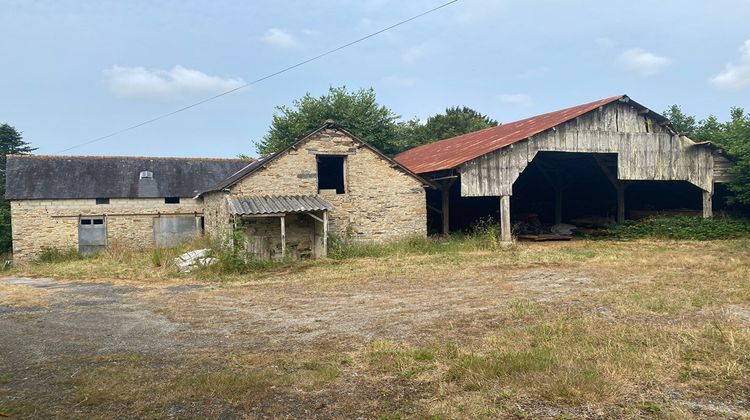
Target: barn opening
331 173
569 187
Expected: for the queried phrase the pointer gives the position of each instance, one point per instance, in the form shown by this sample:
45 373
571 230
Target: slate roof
276 204
70 177
452 152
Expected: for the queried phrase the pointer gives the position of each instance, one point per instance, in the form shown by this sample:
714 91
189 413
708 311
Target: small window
172 200
98 221
331 173
102 201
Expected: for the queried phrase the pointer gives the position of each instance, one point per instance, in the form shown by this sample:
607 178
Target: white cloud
165 85
400 81
279 38
735 75
642 62
516 99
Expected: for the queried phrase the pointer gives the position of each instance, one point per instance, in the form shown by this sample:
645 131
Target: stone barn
328 181
606 160
88 203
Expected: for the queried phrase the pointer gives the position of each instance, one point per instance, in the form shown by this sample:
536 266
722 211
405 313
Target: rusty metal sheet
452 152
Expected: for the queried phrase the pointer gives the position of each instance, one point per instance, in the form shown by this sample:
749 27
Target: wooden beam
435 209
612 178
506 237
619 188
314 217
620 202
445 212
446 191
283 236
325 233
708 210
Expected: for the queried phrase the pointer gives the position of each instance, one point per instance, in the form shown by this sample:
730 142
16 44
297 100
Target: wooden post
708 204
620 202
446 209
506 236
325 233
558 205
619 187
283 237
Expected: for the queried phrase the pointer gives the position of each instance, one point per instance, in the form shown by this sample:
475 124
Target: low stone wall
39 224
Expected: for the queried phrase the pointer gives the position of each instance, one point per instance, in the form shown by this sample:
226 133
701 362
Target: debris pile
189 261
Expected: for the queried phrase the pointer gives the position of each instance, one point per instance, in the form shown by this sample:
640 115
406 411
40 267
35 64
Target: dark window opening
331 173
98 221
172 200
102 201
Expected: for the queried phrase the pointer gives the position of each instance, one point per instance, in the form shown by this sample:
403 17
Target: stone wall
380 203
41 224
218 221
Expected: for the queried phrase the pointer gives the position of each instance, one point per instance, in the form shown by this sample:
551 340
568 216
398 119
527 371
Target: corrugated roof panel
275 204
452 152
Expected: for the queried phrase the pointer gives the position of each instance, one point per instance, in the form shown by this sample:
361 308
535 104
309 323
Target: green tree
357 111
453 122
11 143
684 124
732 136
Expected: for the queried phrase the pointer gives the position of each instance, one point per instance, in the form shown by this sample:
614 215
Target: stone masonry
39 224
381 201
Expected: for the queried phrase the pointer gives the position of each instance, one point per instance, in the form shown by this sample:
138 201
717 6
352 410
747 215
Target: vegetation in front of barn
681 228
232 263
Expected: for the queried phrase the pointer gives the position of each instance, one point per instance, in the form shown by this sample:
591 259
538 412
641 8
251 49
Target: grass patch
55 255
5 379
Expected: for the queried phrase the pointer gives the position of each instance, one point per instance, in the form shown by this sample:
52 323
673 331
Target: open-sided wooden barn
605 158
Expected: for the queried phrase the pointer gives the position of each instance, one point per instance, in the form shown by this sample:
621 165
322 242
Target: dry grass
653 328
24 296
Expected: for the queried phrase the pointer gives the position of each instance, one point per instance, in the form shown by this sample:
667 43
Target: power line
268 76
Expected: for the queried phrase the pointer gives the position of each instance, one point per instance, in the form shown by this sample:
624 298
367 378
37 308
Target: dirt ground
313 339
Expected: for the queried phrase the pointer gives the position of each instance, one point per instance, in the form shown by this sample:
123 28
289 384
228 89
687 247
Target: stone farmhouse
283 204
328 181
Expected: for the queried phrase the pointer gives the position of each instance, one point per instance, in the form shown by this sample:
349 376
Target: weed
55 255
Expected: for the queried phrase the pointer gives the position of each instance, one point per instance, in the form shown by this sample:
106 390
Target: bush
682 228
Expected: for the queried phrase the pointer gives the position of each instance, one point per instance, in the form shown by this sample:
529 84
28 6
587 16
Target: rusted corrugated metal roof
449 153
276 204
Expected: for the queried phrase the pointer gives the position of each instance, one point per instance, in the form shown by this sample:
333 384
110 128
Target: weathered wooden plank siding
646 151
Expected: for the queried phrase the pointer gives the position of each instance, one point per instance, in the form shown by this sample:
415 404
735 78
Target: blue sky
75 70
